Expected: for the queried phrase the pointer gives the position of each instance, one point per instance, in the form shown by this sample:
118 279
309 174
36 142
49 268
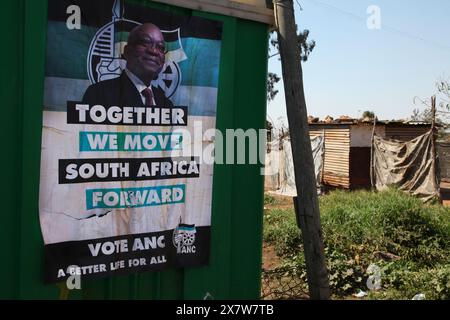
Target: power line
347 13
385 27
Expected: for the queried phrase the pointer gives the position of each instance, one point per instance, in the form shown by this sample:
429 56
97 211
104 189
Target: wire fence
283 283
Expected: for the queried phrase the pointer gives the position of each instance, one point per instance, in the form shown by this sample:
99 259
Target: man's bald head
145 52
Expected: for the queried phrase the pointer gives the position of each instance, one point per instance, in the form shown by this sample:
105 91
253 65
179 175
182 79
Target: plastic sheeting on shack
409 165
279 169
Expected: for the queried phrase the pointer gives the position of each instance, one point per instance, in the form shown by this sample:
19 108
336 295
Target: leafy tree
424 115
442 116
443 88
442 95
305 46
272 79
368 114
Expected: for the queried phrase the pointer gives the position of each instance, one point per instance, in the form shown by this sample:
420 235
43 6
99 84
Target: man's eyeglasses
150 44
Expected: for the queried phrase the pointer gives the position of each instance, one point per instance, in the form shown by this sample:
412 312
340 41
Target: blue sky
353 68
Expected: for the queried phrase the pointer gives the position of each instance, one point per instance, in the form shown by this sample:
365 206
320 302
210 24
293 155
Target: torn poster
122 187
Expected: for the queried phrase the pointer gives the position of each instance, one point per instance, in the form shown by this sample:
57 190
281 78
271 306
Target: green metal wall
236 227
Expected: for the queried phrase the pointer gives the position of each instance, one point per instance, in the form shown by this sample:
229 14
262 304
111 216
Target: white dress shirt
140 86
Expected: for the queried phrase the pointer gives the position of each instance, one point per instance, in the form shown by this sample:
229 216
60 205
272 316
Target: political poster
129 93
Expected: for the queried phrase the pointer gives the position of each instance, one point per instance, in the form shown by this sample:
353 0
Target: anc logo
184 238
105 58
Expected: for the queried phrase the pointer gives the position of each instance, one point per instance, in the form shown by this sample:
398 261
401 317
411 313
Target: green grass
362 228
269 199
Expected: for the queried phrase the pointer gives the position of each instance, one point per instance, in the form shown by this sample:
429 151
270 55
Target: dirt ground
281 202
281 286
270 259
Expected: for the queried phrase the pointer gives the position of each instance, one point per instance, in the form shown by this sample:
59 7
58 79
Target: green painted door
236 227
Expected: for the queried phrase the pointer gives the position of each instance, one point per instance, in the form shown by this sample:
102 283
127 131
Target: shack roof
256 10
346 121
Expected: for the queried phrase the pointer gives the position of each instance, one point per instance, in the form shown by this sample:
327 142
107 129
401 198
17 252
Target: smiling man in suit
145 56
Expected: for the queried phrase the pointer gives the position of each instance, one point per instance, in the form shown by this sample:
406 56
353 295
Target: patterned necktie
148 95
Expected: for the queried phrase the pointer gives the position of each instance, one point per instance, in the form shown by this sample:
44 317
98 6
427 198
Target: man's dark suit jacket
121 92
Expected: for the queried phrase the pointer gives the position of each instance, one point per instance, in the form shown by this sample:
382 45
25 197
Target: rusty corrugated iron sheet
347 168
337 155
443 151
445 193
405 132
346 120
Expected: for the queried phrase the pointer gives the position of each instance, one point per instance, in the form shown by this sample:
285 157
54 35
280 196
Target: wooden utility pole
372 180
433 147
307 202
433 112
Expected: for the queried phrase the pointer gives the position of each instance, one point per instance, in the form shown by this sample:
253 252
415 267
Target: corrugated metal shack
347 147
443 151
